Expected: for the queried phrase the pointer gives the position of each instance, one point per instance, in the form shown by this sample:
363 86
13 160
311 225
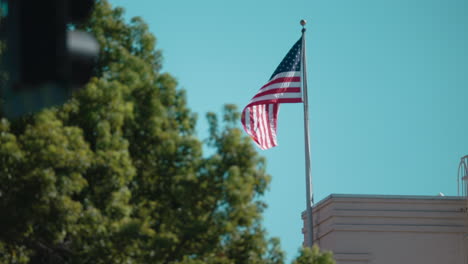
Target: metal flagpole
309 190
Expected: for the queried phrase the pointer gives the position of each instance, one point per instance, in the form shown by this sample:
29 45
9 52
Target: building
389 229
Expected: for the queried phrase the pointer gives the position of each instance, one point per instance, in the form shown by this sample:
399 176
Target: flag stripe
286 74
271 123
261 129
282 80
279 95
280 85
280 101
275 115
269 99
266 126
253 121
279 91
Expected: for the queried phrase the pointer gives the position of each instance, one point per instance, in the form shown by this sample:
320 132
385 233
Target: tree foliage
314 256
117 174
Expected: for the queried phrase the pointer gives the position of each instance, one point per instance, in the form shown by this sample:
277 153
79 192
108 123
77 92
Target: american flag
260 116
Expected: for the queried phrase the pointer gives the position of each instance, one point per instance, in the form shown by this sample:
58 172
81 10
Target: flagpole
308 175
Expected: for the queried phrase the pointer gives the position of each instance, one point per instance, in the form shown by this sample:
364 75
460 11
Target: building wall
392 229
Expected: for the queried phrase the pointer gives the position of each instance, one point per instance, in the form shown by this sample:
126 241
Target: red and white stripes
260 116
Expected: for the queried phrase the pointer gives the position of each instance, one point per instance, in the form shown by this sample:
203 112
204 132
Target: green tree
314 256
117 175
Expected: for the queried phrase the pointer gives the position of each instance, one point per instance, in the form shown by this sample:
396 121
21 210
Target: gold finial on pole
303 23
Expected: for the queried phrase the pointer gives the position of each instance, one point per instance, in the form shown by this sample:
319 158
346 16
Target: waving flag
260 116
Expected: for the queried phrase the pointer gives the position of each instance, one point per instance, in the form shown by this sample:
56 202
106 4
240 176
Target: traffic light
43 59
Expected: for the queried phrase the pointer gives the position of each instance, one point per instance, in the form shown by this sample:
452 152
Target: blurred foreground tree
117 175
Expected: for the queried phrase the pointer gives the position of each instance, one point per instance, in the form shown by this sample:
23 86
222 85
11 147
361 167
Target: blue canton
292 61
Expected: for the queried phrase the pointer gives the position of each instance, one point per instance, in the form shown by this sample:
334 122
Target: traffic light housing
44 60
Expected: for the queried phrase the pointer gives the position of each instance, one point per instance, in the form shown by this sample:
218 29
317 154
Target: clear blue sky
388 89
